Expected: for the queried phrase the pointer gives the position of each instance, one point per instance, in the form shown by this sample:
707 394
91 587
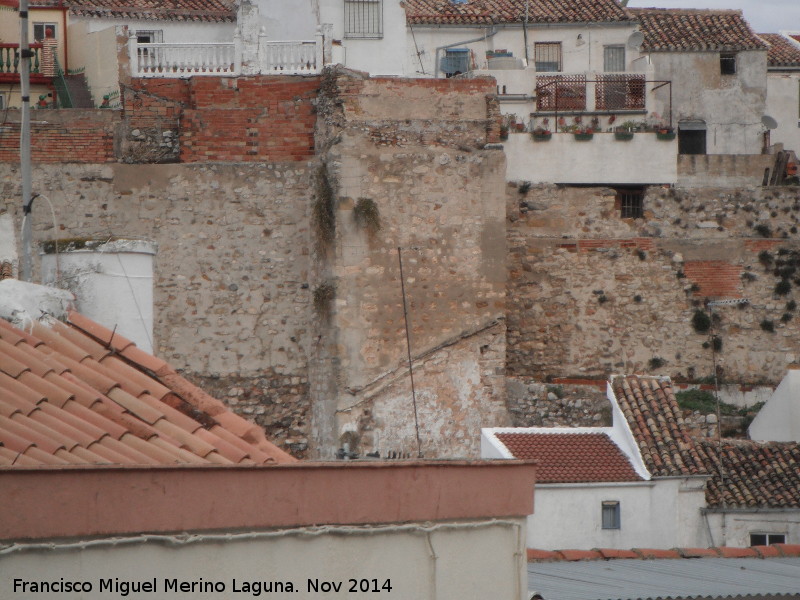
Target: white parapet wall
645 159
112 281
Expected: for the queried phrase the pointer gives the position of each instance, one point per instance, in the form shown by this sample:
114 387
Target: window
547 56
611 514
614 59
43 30
2 101
363 19
455 61
727 64
630 202
691 137
767 539
149 36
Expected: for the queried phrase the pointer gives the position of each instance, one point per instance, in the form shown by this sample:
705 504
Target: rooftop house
718 69
783 88
155 477
645 482
47 40
570 76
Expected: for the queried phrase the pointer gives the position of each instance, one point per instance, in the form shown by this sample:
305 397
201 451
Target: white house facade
783 87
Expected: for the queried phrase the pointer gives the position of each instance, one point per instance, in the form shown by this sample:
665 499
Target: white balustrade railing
183 60
188 60
288 58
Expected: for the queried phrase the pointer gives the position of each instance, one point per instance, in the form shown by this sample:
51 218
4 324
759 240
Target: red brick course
62 136
715 278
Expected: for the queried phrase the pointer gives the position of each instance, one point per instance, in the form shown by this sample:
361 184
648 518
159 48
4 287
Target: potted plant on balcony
665 133
541 134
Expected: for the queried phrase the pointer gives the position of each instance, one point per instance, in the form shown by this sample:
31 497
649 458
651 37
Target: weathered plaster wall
731 105
783 98
590 294
231 293
414 150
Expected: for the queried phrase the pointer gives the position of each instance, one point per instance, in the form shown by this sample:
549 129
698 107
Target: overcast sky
764 16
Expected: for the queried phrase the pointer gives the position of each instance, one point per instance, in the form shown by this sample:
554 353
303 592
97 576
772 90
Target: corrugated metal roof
664 579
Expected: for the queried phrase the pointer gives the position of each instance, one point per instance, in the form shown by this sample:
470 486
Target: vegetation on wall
366 215
324 206
324 295
701 322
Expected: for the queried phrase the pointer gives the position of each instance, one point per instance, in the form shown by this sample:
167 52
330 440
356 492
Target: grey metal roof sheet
628 579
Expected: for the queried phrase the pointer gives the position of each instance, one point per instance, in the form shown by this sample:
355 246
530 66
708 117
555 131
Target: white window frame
44 26
363 19
771 538
606 55
542 50
611 515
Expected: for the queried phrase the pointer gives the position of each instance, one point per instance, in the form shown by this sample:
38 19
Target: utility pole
25 139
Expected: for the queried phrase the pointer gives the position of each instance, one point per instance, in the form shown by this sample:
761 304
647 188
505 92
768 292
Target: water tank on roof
112 280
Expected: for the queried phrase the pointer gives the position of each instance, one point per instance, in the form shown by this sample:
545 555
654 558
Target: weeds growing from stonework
324 209
367 216
701 322
324 295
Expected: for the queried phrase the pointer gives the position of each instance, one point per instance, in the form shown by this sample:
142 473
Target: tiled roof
471 12
33 3
157 10
782 52
753 474
667 30
571 457
77 393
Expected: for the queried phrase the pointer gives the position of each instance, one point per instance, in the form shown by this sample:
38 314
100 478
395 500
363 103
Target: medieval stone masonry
283 207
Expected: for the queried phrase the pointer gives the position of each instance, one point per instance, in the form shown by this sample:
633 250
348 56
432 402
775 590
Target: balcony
9 64
263 57
611 92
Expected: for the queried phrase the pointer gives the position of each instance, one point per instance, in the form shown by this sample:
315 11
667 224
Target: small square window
727 64
363 19
44 30
630 203
611 516
547 56
767 539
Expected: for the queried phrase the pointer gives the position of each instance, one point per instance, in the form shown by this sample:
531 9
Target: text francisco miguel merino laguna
254 588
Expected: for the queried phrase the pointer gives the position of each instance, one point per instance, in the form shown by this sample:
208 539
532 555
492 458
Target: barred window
614 59
630 202
363 19
547 56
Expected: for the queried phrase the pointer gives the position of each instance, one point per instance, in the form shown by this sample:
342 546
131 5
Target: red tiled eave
782 52
77 393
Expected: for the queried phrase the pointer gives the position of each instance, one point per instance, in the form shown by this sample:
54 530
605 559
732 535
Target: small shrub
656 363
366 215
524 187
701 322
763 230
680 274
768 325
716 343
324 210
786 317
556 390
764 257
641 254
791 305
748 276
783 287
637 298
602 299
323 296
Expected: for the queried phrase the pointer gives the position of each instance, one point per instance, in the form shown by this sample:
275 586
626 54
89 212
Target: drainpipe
478 39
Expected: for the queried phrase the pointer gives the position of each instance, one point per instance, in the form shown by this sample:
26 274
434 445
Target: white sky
764 16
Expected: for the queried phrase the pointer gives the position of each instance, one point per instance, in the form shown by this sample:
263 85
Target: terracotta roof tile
782 51
472 12
685 30
571 457
752 474
67 399
164 10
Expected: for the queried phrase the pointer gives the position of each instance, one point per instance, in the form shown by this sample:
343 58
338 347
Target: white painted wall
642 160
8 238
96 53
779 419
783 99
287 19
450 561
383 56
113 284
661 513
578 56
731 105
733 528
175 32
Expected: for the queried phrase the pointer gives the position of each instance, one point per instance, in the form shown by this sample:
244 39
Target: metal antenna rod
25 139
408 347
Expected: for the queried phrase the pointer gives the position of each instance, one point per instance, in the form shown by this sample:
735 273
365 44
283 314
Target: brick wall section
250 119
62 136
155 102
714 278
